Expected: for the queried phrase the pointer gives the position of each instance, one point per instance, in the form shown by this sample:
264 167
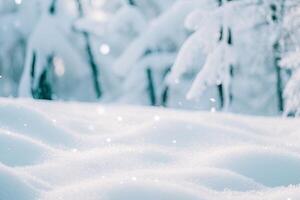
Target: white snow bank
89 151
13 186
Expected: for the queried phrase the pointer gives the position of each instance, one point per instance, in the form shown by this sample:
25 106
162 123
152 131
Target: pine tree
152 53
49 42
238 58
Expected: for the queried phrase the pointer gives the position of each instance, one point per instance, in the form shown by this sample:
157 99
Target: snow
92 151
221 36
159 29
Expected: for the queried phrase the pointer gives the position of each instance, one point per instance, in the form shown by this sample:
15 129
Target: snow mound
276 167
13 186
90 151
13 145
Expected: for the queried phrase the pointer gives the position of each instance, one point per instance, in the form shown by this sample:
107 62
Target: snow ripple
70 151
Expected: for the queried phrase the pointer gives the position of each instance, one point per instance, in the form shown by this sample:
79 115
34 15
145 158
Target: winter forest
149 99
235 56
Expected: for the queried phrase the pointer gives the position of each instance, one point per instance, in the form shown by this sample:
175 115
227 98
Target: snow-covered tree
149 57
231 55
290 48
241 54
90 56
12 48
61 61
115 36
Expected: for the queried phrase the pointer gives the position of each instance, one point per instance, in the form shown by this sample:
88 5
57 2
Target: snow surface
91 151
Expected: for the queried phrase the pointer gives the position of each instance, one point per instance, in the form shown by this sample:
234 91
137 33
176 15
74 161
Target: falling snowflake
156 118
108 140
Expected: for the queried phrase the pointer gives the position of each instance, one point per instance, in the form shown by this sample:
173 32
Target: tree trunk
92 62
277 18
279 84
165 97
220 86
32 72
221 95
43 90
151 88
52 8
131 2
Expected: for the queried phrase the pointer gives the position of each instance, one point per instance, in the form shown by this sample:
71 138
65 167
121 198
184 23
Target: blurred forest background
237 56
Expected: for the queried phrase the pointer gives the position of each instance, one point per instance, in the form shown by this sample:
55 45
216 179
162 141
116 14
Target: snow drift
90 151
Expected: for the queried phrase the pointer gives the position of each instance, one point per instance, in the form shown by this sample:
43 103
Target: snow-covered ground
90 151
